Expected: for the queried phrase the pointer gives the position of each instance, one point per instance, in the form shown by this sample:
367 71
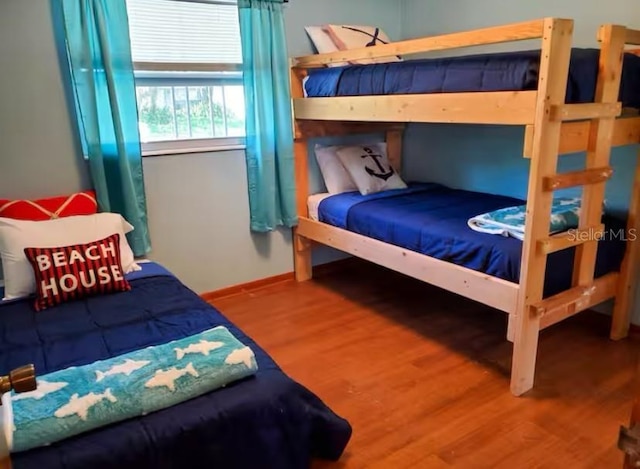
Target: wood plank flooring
423 375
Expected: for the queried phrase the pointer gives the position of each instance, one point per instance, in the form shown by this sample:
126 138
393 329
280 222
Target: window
187 57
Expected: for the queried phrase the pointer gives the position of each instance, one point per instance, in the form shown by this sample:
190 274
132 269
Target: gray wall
38 153
437 16
198 207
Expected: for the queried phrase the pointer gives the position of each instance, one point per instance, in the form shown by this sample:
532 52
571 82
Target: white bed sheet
313 204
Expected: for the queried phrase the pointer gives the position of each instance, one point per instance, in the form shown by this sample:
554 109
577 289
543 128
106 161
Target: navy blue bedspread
432 219
266 421
510 71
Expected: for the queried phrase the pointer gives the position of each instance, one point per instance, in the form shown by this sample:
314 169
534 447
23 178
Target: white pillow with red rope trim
16 235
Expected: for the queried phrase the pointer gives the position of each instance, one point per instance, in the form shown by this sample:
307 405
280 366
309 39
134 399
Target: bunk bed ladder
534 313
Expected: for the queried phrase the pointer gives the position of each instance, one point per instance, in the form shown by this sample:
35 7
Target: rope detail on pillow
52 215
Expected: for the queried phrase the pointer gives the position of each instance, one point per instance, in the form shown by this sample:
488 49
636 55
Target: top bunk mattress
431 219
511 71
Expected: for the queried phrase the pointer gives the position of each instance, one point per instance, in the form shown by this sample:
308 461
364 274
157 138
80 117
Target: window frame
189 145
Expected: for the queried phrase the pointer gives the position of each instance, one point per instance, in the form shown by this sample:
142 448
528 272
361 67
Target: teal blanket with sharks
510 221
79 399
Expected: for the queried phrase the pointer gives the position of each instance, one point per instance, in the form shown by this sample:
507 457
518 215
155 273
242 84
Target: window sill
203 145
187 151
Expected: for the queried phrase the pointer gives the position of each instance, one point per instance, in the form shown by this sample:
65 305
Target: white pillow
369 168
349 36
322 42
16 235
335 176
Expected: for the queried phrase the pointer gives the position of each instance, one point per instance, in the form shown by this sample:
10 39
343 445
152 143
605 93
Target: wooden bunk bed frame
553 128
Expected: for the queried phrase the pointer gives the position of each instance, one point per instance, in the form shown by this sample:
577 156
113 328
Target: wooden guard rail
633 37
478 37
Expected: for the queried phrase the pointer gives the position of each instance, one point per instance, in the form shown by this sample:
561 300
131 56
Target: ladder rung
570 302
562 300
577 178
570 239
577 112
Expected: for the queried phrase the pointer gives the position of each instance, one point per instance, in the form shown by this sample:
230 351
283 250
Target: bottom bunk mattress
263 421
433 219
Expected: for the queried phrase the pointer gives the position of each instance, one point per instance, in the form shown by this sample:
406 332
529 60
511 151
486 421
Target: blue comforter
510 71
432 219
265 421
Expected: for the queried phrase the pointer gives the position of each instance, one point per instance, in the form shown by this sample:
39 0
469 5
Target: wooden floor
423 375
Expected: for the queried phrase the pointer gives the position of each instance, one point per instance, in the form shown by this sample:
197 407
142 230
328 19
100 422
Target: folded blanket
6 426
510 221
79 399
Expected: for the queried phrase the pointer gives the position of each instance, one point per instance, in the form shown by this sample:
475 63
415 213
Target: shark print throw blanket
510 221
79 399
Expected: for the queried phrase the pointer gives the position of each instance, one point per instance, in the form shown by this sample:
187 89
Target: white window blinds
179 31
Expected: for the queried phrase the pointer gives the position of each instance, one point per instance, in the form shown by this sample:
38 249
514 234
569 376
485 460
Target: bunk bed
558 118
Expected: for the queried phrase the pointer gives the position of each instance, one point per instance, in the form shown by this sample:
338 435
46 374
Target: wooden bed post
301 245
554 72
629 271
394 149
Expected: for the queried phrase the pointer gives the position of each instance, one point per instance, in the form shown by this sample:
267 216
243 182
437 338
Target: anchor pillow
73 272
370 169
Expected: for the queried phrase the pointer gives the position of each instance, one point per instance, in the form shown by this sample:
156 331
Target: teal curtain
99 56
270 162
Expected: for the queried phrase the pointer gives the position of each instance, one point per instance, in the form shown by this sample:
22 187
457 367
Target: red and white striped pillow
73 272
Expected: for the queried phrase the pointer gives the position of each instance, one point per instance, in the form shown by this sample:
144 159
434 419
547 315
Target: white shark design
169 377
557 219
44 388
241 355
80 405
126 368
204 347
564 202
515 216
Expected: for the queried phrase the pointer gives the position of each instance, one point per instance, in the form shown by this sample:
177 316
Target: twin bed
266 420
569 100
432 219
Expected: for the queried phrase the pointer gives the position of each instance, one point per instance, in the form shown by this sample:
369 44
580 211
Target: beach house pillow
16 235
335 176
370 169
347 37
80 203
69 273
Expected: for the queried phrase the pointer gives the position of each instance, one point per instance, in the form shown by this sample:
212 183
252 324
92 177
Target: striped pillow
73 272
